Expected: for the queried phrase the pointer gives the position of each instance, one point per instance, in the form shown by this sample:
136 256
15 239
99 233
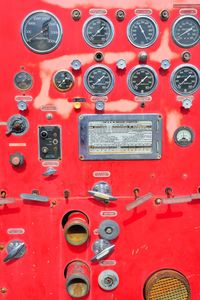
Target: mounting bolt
76 14
66 194
120 15
164 15
143 56
3 290
158 201
98 56
186 56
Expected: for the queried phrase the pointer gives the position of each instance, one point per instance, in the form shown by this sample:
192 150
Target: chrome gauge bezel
174 33
130 26
17 84
183 143
87 73
69 87
59 37
173 76
84 31
130 84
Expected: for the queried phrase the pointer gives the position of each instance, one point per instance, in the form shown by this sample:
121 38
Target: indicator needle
188 30
98 31
141 81
185 80
62 81
98 80
142 30
45 27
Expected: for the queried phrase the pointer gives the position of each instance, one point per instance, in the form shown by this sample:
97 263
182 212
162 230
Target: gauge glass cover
142 31
63 80
99 80
183 136
142 80
98 32
41 31
186 31
23 81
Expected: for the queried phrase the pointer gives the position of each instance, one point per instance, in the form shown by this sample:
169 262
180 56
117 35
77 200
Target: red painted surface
152 237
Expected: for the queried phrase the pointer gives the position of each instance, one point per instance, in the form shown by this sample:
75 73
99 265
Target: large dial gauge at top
98 31
99 80
186 31
142 31
41 31
142 80
185 79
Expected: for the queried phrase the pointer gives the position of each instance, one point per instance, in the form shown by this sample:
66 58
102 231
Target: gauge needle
98 31
141 81
62 81
45 27
142 30
98 80
188 30
185 80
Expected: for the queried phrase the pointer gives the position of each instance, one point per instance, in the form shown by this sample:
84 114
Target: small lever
139 201
181 199
101 191
15 250
34 197
50 171
104 253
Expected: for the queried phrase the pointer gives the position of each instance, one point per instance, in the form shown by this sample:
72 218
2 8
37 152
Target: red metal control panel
100 142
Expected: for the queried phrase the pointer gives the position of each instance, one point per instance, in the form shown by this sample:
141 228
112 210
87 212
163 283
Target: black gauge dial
185 79
41 32
23 81
63 80
98 32
183 136
99 80
142 31
142 80
186 31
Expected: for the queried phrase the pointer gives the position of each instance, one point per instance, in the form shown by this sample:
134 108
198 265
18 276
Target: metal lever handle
15 252
102 196
34 197
181 199
103 253
139 201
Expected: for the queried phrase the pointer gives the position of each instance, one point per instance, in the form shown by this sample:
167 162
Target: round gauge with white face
142 80
63 80
185 79
186 31
183 136
142 31
98 31
41 31
23 80
99 80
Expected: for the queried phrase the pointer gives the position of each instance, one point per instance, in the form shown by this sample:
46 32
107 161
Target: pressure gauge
63 80
41 31
185 79
142 80
186 31
142 31
183 136
23 81
99 80
98 31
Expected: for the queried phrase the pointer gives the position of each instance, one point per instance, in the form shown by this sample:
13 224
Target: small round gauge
23 80
63 80
185 79
99 80
142 80
98 32
142 31
183 136
186 31
41 31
